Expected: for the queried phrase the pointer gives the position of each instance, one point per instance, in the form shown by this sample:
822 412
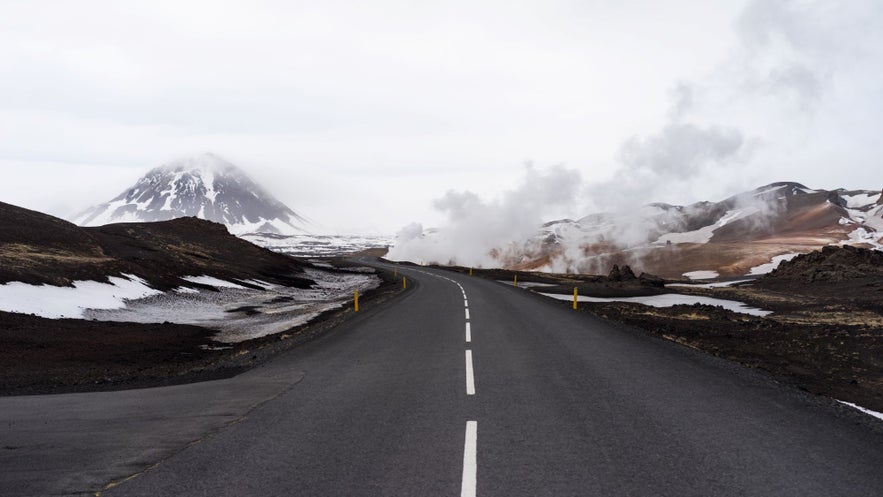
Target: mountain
204 186
736 236
748 233
37 248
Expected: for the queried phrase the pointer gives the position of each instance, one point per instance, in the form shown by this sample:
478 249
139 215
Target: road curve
463 386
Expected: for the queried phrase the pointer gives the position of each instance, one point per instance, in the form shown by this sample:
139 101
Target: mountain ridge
37 248
746 233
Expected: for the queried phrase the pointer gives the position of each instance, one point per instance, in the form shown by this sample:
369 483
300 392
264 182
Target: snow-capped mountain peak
204 186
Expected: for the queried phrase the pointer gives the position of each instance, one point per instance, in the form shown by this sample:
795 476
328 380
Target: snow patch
671 299
861 235
215 282
878 415
701 275
277 308
717 284
314 245
704 234
56 302
773 264
860 200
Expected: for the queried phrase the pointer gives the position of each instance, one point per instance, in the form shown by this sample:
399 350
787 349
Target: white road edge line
468 333
467 313
466 302
470 375
470 463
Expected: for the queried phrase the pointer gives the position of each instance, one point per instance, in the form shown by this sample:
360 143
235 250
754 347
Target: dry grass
20 254
847 318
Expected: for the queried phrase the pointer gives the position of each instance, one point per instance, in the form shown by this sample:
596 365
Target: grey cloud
682 97
795 46
680 150
804 84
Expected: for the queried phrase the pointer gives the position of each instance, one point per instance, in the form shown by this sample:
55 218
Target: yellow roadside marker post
356 300
404 282
515 281
574 298
470 271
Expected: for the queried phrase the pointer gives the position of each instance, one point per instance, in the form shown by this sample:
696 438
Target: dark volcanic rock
831 264
621 275
648 279
37 248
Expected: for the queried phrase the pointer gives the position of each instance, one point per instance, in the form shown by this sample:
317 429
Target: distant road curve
460 386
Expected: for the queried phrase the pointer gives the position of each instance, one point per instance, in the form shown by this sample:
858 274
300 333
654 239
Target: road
459 386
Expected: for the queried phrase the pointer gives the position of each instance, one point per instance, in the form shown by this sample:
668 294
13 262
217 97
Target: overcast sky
360 114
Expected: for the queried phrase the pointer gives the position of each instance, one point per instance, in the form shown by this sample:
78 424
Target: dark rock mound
620 275
40 249
624 276
648 279
833 273
831 264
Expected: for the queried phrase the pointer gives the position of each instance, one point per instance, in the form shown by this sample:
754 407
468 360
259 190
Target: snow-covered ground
860 199
704 234
716 284
702 275
671 299
773 264
309 245
71 302
236 312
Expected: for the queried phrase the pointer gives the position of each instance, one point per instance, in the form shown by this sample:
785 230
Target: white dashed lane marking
470 376
470 447
470 463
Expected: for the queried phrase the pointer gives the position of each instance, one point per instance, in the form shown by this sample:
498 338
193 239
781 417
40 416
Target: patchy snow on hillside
861 235
860 200
773 264
704 234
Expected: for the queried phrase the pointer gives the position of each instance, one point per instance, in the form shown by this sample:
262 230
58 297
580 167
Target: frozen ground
701 275
307 245
773 264
241 314
671 299
717 284
236 312
72 302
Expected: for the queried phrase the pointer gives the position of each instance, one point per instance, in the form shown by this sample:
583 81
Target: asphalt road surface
460 386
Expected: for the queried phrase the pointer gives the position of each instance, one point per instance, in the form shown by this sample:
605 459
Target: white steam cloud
480 233
722 134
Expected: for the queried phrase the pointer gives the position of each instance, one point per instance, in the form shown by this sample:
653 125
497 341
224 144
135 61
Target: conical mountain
204 186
